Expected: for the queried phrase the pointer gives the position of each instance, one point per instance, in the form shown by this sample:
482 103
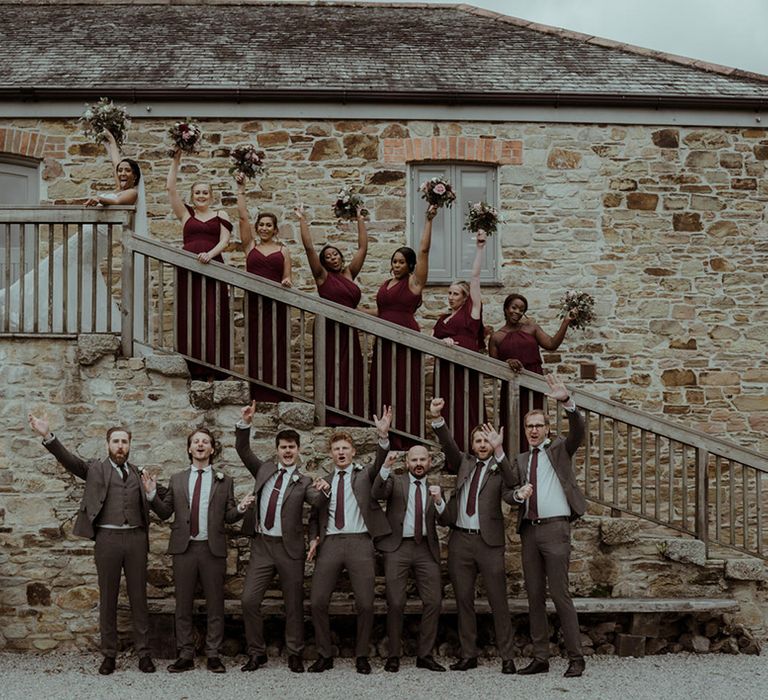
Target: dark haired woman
396 302
517 343
462 326
335 282
127 178
206 234
267 334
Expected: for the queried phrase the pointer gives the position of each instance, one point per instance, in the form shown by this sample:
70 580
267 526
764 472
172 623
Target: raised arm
452 453
474 281
559 392
242 437
244 219
315 266
420 273
552 343
177 205
114 154
72 463
356 264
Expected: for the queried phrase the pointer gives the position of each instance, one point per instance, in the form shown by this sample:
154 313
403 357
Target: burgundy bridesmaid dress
200 237
519 345
340 356
402 389
468 333
267 331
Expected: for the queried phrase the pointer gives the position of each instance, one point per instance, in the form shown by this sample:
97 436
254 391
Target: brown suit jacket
498 484
221 509
560 453
96 474
362 482
298 492
394 490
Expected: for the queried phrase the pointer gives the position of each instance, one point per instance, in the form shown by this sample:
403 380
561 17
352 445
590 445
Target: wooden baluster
320 363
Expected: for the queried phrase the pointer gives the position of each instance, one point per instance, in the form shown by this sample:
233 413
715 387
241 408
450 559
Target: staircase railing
631 462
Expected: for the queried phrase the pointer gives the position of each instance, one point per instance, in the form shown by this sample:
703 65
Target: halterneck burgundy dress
195 311
343 361
267 333
466 384
402 388
522 346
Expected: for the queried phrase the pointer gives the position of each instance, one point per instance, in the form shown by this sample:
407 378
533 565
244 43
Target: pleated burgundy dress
193 311
401 389
267 333
468 333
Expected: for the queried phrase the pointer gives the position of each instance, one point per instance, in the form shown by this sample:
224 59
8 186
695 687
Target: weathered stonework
661 225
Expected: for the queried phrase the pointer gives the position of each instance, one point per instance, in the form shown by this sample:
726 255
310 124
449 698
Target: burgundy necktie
418 526
339 516
269 521
194 516
472 500
533 506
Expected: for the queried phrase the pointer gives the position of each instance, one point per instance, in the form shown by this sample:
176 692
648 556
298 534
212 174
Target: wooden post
319 369
702 497
126 278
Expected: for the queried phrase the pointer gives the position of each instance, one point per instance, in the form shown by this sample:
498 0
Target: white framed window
453 248
19 186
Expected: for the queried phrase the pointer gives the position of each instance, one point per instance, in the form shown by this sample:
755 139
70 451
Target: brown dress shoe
536 666
254 663
392 664
215 666
429 663
107 666
362 665
181 665
464 665
146 665
575 668
322 664
295 663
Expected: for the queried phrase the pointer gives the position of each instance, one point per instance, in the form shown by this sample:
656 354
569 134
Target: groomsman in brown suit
203 500
277 545
412 507
342 530
549 501
114 513
485 478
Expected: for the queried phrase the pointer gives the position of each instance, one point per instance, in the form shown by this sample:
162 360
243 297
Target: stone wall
666 227
48 587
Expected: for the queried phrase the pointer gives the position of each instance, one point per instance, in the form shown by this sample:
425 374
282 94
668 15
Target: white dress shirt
205 494
266 493
471 522
550 497
410 508
353 517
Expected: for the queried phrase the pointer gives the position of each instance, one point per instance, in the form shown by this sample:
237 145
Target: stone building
637 176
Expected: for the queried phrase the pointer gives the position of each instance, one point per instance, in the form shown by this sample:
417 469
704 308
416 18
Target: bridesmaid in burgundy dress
463 326
397 301
517 343
335 282
206 234
267 329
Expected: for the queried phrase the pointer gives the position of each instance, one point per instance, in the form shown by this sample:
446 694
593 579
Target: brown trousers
417 557
546 555
117 551
198 563
355 553
469 555
268 556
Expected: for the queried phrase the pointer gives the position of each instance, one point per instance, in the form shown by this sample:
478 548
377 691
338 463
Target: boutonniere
546 443
219 476
494 467
357 467
141 470
295 477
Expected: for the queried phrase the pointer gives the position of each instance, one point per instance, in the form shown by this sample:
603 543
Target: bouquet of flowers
581 304
246 160
346 205
438 192
106 116
185 136
482 216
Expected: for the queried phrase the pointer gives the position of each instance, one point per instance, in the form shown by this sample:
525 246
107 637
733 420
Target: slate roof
342 51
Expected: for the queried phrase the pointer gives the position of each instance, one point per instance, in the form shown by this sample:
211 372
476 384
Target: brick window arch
479 149
30 143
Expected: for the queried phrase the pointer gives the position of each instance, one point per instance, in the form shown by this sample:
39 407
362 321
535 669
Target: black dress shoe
254 663
536 666
322 664
508 666
429 663
146 665
363 665
107 666
393 664
295 663
575 668
464 665
181 665
215 666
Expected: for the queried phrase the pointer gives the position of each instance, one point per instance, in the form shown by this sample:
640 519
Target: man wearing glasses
549 500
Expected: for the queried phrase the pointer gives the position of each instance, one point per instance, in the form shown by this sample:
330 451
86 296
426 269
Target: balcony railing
631 462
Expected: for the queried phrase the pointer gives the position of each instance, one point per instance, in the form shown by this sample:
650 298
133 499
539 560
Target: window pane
476 185
441 252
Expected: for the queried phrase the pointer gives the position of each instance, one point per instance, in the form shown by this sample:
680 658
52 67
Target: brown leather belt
544 521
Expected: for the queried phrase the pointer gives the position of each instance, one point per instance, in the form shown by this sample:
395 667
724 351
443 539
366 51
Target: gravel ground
680 676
